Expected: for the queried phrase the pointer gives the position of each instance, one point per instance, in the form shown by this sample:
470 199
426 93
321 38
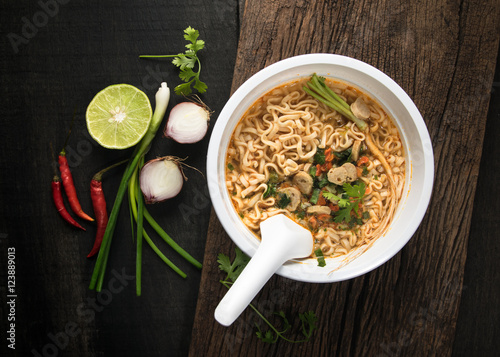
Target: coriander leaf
354 196
309 320
224 263
190 34
356 191
267 336
187 62
184 62
286 324
183 89
234 269
344 201
200 86
331 197
187 74
343 215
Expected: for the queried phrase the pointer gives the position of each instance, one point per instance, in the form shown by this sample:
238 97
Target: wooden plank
477 325
409 306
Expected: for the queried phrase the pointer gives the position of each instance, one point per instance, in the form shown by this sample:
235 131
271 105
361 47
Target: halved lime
119 116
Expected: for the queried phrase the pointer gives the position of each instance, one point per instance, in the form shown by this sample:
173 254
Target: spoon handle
261 267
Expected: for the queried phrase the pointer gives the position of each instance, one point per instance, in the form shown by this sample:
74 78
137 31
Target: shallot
187 122
161 179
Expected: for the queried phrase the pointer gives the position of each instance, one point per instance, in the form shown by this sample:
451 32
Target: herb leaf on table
272 335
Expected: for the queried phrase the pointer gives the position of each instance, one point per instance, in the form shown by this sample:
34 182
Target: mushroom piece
294 196
352 173
319 209
337 175
356 148
360 109
303 181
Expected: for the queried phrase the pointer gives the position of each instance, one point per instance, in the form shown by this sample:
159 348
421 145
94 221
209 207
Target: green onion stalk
317 88
137 205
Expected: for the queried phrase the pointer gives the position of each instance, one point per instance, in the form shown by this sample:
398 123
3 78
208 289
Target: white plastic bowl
417 148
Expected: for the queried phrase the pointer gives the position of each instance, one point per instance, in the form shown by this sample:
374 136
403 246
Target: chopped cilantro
344 156
315 196
312 171
271 185
319 157
283 200
320 182
365 171
270 191
300 214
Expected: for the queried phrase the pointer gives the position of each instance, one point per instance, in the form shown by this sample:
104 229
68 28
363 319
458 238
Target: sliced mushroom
337 175
360 109
303 181
319 209
294 196
356 148
352 173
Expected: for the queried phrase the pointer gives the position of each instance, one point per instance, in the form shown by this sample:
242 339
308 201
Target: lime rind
118 116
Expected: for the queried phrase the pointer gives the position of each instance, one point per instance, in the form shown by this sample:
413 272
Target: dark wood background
439 296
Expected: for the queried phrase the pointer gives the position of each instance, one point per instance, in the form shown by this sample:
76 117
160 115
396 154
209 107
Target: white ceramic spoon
282 240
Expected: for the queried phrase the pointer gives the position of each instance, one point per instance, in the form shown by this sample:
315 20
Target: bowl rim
214 156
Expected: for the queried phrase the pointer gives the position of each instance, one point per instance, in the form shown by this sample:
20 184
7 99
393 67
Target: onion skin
187 123
161 179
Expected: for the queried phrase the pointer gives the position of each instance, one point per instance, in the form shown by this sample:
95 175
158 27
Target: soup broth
294 155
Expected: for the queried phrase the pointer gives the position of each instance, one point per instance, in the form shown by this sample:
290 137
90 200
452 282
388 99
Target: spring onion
317 88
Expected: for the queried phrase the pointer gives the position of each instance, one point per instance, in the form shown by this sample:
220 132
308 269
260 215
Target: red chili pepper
362 160
58 201
99 204
69 187
101 214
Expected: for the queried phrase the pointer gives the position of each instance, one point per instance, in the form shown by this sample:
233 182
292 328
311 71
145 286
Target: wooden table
439 296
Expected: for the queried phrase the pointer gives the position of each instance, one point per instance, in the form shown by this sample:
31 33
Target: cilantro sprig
348 201
187 62
272 335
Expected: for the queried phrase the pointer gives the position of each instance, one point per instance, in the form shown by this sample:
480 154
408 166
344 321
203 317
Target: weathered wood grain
409 306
